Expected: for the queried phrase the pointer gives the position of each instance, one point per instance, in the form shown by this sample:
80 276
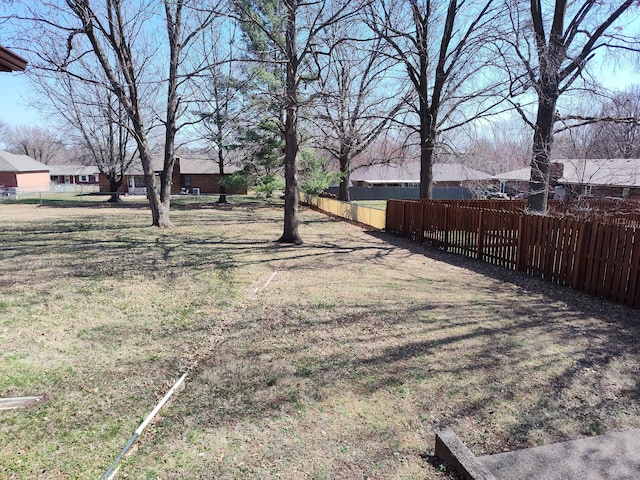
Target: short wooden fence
598 258
373 217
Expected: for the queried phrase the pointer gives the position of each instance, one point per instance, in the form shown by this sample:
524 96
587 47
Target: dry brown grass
343 366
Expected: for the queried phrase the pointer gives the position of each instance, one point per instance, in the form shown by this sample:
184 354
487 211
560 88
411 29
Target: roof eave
11 62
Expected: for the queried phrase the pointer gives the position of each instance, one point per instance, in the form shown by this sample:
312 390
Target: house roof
188 166
73 170
11 62
519 175
410 173
10 162
203 166
620 172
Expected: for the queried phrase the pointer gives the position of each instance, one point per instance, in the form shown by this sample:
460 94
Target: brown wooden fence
602 259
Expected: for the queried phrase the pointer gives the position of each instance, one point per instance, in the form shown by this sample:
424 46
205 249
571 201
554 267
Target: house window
625 192
187 181
67 179
84 178
588 190
136 181
97 178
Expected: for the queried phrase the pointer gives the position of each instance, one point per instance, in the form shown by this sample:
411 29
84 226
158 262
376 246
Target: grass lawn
379 204
342 365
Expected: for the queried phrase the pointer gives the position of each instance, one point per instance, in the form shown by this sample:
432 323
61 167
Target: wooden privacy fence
357 213
597 258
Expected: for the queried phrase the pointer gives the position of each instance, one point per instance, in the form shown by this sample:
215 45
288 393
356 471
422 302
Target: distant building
190 175
572 178
21 174
408 175
451 181
614 178
74 175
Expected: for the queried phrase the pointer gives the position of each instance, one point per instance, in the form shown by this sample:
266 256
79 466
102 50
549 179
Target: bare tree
502 146
619 137
564 37
36 142
92 40
357 100
96 123
440 45
219 97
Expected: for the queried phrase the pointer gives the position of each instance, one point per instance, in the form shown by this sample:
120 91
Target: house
190 175
613 178
408 175
514 182
22 174
74 177
451 181
11 62
572 178
201 175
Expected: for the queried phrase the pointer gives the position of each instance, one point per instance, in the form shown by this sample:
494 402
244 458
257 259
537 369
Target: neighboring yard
379 204
342 367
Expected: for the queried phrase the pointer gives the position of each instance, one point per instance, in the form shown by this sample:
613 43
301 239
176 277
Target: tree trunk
345 167
542 143
223 191
114 185
291 198
427 145
159 211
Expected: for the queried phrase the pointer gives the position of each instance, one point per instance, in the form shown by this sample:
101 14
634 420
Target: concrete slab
451 450
17 402
613 455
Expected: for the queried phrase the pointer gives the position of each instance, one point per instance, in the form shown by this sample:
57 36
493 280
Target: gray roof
203 166
10 162
519 175
409 172
619 172
188 166
73 170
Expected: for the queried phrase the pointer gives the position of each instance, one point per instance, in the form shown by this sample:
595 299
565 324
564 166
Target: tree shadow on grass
511 379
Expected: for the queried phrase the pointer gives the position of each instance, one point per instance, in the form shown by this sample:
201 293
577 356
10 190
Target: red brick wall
8 179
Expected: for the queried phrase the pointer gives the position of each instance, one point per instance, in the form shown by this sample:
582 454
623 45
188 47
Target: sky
15 92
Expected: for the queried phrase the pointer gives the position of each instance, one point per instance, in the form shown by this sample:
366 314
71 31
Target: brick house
516 182
21 174
408 175
199 176
603 178
78 175
577 178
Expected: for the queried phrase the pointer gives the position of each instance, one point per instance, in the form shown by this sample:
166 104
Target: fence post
579 260
446 227
521 248
421 223
480 235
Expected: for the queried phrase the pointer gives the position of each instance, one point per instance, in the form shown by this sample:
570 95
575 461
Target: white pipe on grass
111 472
268 282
